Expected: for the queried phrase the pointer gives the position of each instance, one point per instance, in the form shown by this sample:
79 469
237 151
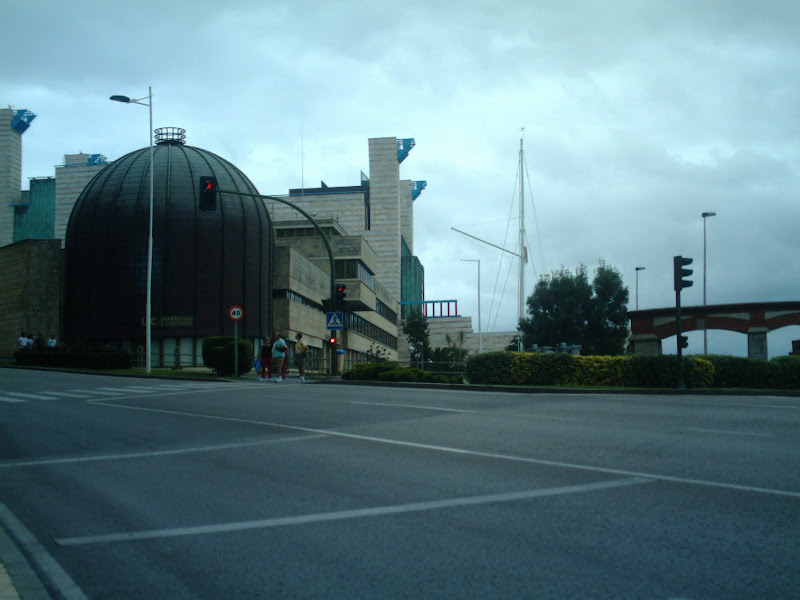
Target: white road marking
548 417
172 387
728 432
66 394
452 450
456 410
32 396
11 400
135 388
152 453
95 392
58 577
350 514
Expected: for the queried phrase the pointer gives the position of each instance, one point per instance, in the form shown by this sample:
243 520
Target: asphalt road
143 489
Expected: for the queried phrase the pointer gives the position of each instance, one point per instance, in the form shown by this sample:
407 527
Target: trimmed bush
542 369
604 371
698 372
219 355
368 371
784 372
490 367
386 371
739 372
568 370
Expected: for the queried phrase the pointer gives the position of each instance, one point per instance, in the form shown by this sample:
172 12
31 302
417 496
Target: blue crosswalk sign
334 321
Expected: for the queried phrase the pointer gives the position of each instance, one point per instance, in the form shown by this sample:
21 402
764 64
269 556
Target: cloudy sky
639 115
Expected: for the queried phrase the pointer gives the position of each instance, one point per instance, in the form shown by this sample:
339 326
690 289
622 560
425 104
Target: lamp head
124 99
709 214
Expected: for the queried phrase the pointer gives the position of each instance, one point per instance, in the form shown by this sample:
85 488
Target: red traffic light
332 340
208 194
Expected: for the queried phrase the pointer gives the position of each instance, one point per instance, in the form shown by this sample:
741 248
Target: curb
20 577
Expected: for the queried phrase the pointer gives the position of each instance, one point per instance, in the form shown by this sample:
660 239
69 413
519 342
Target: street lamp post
637 285
149 104
480 331
705 215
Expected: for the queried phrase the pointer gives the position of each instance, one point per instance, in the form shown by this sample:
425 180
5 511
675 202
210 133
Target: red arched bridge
649 327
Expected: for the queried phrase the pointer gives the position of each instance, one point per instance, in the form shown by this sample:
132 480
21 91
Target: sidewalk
7 589
17 579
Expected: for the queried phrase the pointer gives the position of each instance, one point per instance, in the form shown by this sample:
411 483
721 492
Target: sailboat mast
523 255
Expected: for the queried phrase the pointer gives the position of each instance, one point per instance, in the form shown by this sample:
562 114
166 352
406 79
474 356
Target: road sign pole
235 314
678 327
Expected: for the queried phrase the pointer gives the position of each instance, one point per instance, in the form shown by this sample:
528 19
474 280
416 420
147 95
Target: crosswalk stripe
15 397
96 393
33 396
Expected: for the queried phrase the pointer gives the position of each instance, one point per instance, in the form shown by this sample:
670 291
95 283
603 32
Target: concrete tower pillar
10 173
385 215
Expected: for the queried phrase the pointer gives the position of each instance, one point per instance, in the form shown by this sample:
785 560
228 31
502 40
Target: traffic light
679 263
332 340
340 294
684 341
208 193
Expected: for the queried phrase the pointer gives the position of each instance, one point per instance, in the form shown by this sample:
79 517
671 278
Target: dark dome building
205 259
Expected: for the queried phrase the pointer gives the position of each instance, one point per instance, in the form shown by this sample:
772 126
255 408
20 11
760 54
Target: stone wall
31 293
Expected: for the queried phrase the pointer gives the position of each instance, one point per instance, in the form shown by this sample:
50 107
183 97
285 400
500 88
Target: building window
354 322
354 269
386 312
295 297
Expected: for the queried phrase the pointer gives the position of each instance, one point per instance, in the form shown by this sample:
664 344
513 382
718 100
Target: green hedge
490 367
386 371
603 371
784 373
218 354
80 359
739 372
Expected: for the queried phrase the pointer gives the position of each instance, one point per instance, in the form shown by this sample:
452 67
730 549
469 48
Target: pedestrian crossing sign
334 321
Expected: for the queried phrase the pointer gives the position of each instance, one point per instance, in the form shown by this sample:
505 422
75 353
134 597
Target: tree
608 323
566 307
450 357
416 328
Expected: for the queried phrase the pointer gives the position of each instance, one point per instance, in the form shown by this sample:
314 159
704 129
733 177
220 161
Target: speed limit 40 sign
235 313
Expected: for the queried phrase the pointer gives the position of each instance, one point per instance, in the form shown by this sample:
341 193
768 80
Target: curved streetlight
149 104
637 285
705 215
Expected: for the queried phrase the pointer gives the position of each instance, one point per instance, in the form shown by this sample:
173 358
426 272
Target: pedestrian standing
300 351
52 343
266 358
23 341
278 352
